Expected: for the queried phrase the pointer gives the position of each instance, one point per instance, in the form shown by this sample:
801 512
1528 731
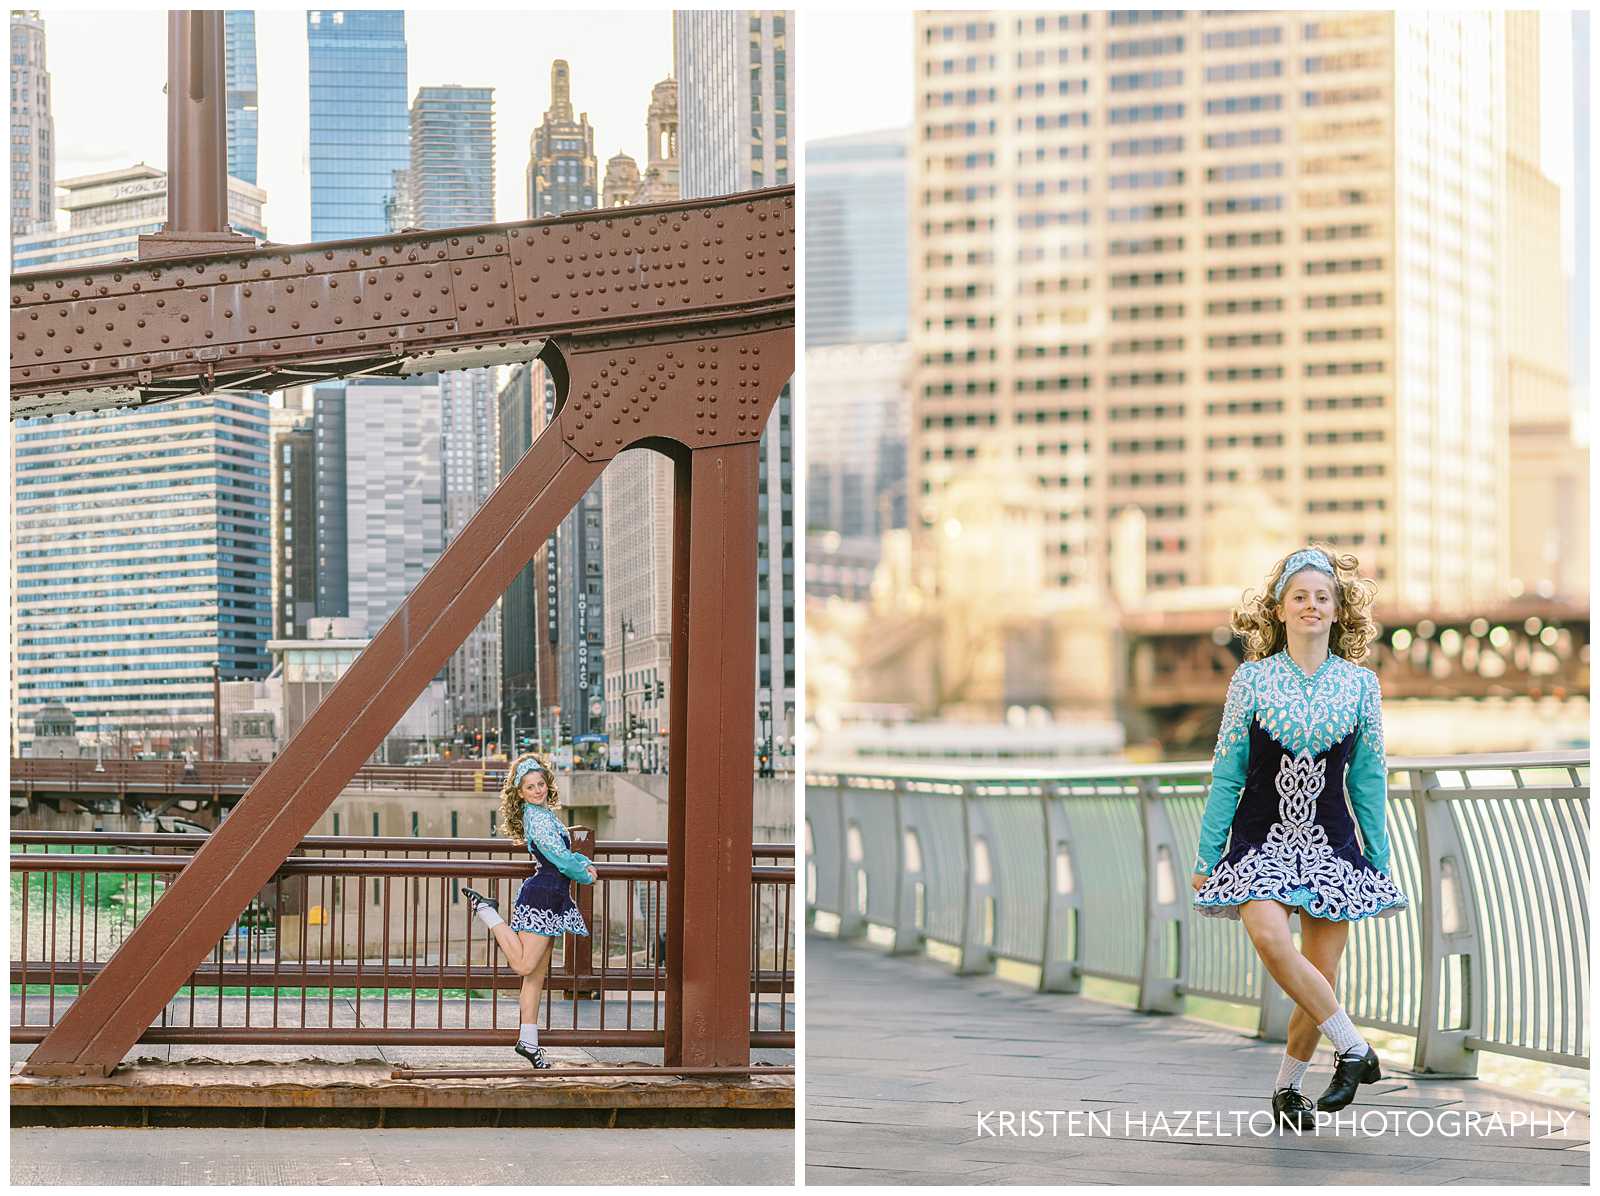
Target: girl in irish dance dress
1295 823
544 908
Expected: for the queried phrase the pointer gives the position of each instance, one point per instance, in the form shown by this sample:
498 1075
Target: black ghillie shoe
1350 1070
475 899
534 1055
1293 1108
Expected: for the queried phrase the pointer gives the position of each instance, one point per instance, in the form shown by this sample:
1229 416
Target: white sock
1341 1031
530 1035
1290 1072
490 916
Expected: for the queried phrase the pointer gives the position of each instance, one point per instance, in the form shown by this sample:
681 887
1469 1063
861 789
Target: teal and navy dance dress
1296 755
544 903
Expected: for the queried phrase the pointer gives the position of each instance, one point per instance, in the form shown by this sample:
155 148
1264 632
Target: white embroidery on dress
543 921
1235 713
1303 714
1372 713
1296 855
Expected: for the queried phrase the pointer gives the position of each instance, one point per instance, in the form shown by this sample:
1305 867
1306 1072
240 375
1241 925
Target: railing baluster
261 943
1517 981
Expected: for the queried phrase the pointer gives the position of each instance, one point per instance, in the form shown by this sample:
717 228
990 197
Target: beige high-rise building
638 514
1203 262
33 152
621 181
1549 468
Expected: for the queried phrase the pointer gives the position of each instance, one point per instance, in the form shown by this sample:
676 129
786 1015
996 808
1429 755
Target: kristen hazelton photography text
1140 680
387 757
1209 1123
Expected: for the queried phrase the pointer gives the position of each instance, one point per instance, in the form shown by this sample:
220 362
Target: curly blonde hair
511 800
1257 620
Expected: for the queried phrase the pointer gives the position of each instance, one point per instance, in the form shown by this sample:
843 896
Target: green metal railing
1086 873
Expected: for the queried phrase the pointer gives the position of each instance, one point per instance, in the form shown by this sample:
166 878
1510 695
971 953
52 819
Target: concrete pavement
453 1157
909 1068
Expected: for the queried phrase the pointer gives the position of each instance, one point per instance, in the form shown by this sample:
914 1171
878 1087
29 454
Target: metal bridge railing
30 775
1086 873
363 940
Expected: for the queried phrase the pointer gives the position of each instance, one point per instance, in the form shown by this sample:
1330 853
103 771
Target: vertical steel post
197 141
976 956
580 950
1160 987
711 814
1448 920
1058 970
197 130
907 935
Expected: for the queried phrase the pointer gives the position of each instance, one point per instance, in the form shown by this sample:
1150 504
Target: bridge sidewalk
902 1056
353 1086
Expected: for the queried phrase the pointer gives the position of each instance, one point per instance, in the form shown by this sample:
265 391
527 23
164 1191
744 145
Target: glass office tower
360 122
239 67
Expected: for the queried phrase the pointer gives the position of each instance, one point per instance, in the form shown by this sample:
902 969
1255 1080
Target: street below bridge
902 1057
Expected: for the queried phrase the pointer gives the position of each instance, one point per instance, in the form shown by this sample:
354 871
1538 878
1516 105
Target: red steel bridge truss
668 327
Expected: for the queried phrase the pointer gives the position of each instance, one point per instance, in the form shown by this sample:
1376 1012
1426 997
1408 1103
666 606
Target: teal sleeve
1228 766
1367 777
542 831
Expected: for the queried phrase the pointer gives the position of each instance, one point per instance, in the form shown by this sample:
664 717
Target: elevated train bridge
1177 663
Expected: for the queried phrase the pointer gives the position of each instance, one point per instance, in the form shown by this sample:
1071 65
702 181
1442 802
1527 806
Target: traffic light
661 690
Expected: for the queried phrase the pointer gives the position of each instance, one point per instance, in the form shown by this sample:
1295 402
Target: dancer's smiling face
534 787
1309 603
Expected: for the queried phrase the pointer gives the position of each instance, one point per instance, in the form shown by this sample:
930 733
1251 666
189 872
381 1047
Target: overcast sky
616 59
855 72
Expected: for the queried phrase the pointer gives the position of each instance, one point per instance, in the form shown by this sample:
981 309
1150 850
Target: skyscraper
467 429
621 181
451 184
1548 470
379 493
239 70
638 523
140 555
735 93
561 177
360 129
107 213
562 170
661 179
178 491
294 524
452 156
528 625
856 431
33 150
856 239
1160 261
624 184
1582 278
857 360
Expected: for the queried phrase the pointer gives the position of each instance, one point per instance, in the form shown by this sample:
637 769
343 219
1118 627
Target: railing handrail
964 772
178 776
358 842
358 866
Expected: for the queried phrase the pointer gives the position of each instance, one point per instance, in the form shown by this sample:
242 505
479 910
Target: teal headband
1306 558
523 769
